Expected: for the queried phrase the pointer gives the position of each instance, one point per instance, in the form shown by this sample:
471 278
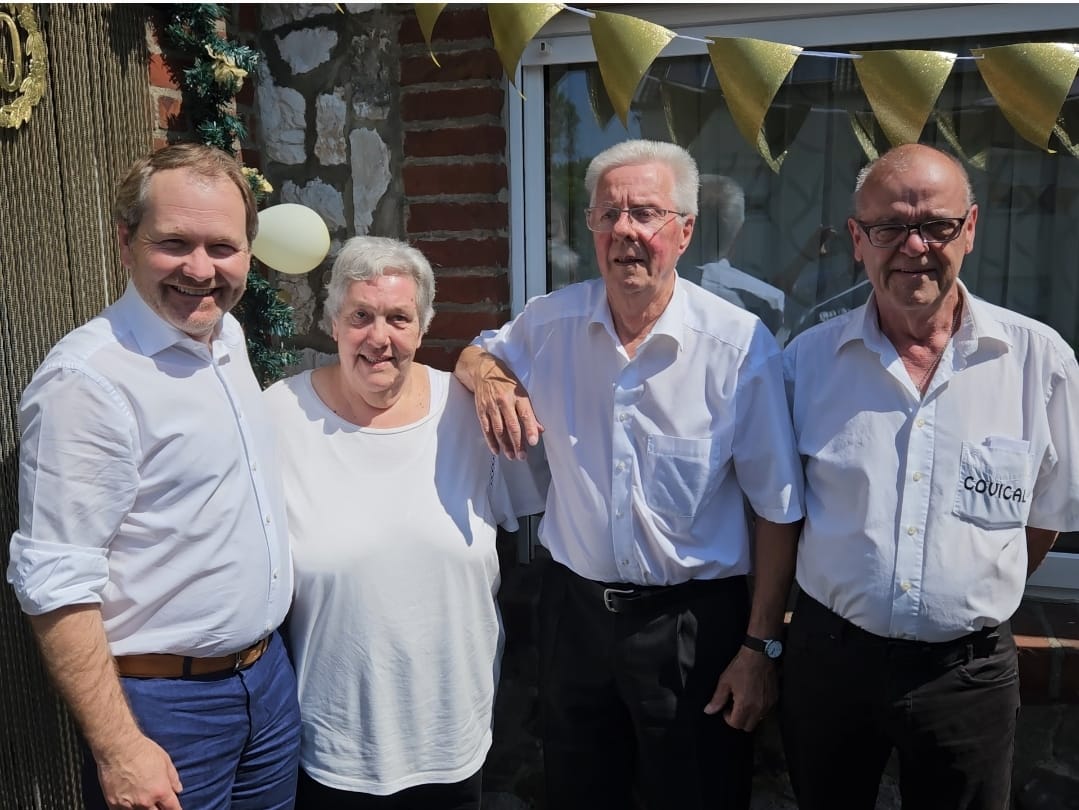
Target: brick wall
454 174
172 123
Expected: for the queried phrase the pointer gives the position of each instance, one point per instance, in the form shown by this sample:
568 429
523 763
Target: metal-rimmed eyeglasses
603 218
932 232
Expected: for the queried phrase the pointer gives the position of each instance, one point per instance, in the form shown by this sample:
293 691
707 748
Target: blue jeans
233 738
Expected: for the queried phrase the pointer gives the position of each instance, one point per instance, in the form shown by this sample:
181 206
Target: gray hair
365 257
900 159
632 153
730 203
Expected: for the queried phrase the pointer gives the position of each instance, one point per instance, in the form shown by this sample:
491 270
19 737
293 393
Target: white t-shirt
652 457
394 628
916 507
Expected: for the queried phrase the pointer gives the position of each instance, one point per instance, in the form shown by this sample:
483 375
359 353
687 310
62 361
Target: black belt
630 598
978 644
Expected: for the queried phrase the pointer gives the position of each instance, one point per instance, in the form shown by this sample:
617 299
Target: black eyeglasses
603 218
933 232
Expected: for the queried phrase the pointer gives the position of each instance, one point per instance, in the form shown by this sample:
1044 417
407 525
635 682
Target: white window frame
566 40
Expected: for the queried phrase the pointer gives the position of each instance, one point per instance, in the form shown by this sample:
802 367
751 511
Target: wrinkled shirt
148 485
916 507
653 458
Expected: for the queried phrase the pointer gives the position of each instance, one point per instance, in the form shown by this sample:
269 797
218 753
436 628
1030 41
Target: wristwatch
771 647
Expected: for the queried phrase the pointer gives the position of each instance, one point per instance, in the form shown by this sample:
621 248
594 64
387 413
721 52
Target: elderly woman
393 500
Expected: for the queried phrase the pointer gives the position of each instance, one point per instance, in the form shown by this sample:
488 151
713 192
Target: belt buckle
610 593
238 663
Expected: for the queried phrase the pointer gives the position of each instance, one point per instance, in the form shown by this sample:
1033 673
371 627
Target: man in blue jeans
152 554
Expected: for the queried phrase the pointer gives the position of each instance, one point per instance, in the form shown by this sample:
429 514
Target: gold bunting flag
625 48
1030 83
750 72
861 124
902 88
513 25
598 100
968 134
427 14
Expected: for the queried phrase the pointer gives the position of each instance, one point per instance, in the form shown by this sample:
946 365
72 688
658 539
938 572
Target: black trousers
622 698
849 698
465 795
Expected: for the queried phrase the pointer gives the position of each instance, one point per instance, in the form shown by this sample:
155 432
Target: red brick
170 114
455 253
426 217
166 72
435 105
440 356
473 289
454 178
465 324
450 25
470 65
246 16
482 140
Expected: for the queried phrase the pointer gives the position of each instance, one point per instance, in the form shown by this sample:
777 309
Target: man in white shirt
151 553
941 459
663 414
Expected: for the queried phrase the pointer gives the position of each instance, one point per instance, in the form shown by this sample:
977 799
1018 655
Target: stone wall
357 122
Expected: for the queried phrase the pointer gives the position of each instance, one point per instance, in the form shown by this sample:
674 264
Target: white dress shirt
148 484
650 456
916 507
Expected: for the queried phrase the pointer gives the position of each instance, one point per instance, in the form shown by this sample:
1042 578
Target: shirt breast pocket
993 490
677 473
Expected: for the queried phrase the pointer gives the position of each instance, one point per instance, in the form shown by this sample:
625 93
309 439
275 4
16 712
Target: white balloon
292 238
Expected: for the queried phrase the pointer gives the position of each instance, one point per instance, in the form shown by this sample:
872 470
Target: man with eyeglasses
663 414
938 434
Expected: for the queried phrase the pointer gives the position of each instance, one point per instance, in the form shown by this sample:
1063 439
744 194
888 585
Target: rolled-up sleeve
78 478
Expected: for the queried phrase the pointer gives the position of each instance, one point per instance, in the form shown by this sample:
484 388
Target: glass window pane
790 262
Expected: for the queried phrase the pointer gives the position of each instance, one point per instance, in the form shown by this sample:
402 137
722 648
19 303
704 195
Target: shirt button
254 466
274 575
618 513
905 586
917 476
620 466
911 530
920 422
267 520
622 417
625 563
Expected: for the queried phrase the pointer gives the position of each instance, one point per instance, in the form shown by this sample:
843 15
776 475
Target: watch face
773 648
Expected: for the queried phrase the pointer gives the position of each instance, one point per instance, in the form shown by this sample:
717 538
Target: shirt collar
975 326
154 334
671 321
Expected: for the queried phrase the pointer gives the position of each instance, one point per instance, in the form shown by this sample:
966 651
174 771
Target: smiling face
638 266
189 255
916 185
377 333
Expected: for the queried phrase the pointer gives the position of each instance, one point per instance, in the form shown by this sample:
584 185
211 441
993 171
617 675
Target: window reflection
790 259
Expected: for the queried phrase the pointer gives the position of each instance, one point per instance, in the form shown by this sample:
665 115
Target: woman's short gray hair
365 257
632 153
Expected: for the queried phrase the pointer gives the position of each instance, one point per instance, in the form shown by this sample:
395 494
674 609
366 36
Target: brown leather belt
164 665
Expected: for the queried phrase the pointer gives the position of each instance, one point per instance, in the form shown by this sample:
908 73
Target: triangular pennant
861 124
686 110
1030 83
598 100
780 129
750 72
902 88
625 48
967 134
427 14
513 25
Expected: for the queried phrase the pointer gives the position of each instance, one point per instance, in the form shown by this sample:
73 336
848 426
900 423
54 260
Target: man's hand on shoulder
746 691
139 776
502 404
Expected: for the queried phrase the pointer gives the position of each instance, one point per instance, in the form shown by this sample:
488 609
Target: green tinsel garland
209 87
